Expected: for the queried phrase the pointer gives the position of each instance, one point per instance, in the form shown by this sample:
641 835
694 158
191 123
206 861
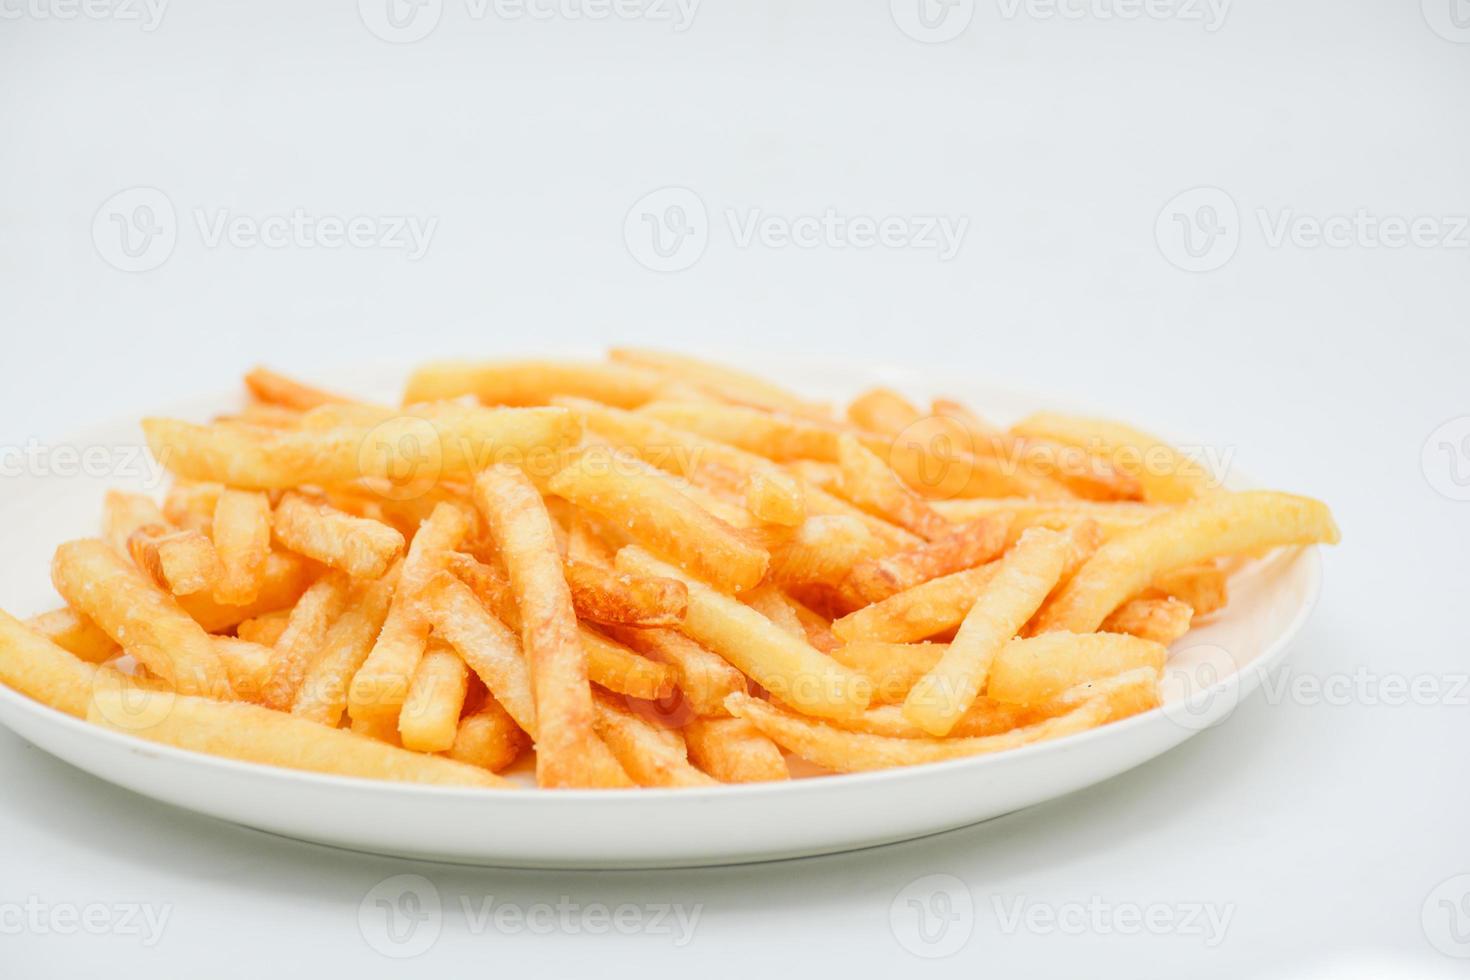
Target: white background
1322 828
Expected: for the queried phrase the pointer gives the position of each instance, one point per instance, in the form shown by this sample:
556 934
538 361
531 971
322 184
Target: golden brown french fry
606 597
985 716
190 506
42 670
962 547
566 753
920 612
254 734
771 603
285 577
76 634
360 547
818 627
247 663
868 482
402 455
846 751
704 677
1201 586
1034 670
786 666
532 382
733 750
304 638
882 411
100 584
322 694
242 538
489 738
1113 516
1086 475
381 729
183 562
124 513
1129 693
429 720
822 549
1210 527
647 754
724 382
490 648
1161 620
1164 474
1022 580
277 389
892 668
656 514
266 629
776 436
382 683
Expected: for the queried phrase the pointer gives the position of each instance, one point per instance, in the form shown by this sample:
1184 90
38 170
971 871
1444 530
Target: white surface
1209 671
1326 368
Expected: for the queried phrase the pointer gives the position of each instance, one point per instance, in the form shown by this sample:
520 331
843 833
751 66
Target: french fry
283 580
486 644
704 677
823 549
566 753
322 694
124 513
733 750
100 584
266 629
846 751
1114 517
1127 694
1202 586
1034 670
43 671
382 683
247 664
586 545
489 738
786 666
303 638
818 627
868 482
892 668
933 458
1211 527
770 494
603 596
277 389
381 728
242 538
775 436
660 517
190 506
251 733
724 382
771 603
962 547
429 720
360 547
985 716
532 382
820 503
76 634
183 562
882 411
1161 620
1022 580
644 752
920 612
402 454
1164 474
1083 473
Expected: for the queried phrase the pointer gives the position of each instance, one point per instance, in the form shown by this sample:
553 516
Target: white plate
1209 671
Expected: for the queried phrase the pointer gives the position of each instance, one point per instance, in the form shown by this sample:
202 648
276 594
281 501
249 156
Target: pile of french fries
645 571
